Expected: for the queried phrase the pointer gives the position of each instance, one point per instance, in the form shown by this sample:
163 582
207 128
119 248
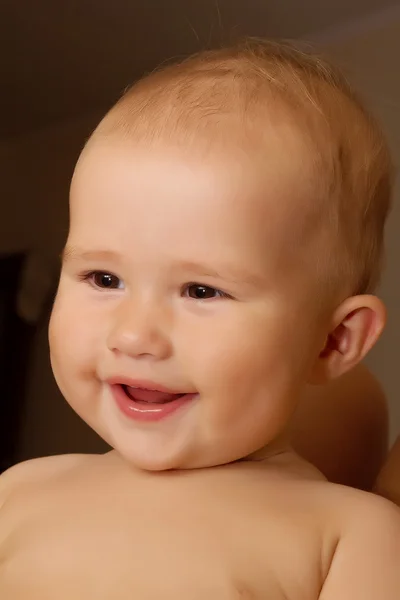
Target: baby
226 233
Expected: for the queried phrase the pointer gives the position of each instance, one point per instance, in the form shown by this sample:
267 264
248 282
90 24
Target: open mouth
144 404
145 396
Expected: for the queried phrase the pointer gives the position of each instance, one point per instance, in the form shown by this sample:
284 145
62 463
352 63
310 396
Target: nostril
140 329
143 342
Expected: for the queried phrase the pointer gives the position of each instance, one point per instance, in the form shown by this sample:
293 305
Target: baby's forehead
260 192
274 169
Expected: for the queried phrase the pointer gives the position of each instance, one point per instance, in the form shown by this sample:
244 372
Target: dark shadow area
15 344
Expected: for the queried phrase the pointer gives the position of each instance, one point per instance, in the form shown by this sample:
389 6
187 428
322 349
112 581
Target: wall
35 174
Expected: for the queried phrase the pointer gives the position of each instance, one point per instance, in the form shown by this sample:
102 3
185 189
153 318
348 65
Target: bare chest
84 544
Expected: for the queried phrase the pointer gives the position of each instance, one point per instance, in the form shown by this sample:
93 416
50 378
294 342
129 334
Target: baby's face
185 321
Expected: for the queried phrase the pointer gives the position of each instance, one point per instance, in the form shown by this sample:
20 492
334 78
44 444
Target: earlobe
355 328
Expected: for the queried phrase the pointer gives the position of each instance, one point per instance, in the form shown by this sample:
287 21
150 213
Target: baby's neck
281 445
280 453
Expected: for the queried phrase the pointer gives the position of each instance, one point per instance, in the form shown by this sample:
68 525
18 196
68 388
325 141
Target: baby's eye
104 280
202 292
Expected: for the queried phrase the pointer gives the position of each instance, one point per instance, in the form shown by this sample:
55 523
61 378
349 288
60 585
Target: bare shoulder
365 564
37 470
370 512
353 510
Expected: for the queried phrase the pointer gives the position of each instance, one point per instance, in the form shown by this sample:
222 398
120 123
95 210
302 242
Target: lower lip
139 411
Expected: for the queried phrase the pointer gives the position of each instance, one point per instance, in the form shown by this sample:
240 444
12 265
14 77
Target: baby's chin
154 459
157 460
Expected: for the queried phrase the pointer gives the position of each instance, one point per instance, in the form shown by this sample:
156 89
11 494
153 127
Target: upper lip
144 384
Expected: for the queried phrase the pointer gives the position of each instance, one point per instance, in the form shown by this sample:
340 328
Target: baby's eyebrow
71 253
229 273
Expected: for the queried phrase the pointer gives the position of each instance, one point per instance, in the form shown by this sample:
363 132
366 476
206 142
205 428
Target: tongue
141 395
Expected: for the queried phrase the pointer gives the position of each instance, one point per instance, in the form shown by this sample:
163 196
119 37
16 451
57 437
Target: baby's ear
355 327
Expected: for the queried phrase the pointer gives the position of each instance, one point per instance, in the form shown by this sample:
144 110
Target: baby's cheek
228 358
70 337
73 360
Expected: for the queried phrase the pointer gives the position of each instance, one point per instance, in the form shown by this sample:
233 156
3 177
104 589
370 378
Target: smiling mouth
146 396
141 402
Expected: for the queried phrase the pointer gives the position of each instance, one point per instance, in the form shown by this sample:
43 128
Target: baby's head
226 234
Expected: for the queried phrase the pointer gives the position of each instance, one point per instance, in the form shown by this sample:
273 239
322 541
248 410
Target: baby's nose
140 330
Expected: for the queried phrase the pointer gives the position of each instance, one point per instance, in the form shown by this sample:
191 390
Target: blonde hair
255 80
